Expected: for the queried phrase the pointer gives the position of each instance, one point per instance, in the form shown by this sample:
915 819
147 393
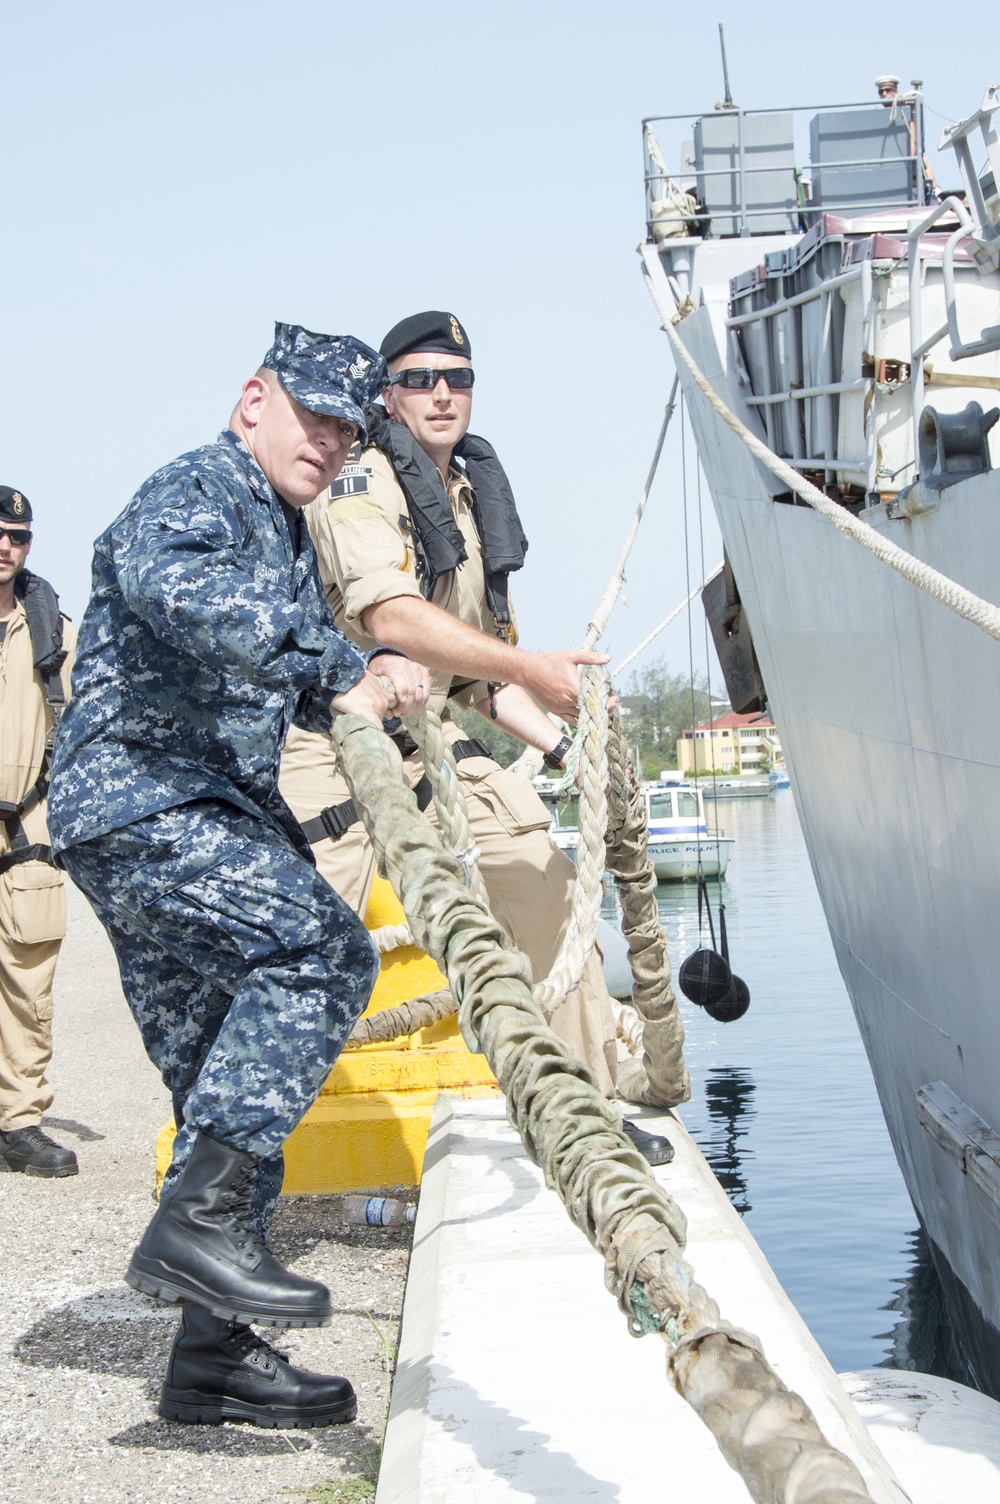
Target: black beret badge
456 330
17 504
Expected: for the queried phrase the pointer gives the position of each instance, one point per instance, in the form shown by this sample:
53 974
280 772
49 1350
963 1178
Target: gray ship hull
888 710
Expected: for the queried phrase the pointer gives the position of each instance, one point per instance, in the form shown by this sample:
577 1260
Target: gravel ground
82 1356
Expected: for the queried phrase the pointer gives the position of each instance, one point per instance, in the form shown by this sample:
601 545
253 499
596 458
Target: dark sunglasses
426 378
19 536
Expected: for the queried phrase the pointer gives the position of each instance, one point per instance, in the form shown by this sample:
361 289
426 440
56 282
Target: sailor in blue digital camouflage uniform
207 634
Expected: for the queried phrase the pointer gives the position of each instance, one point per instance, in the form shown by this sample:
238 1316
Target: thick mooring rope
765 1431
390 937
613 836
658 1076
948 592
406 1018
592 773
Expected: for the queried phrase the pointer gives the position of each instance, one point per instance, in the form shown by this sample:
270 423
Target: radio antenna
727 103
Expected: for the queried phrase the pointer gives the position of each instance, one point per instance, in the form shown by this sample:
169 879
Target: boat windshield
687 804
660 807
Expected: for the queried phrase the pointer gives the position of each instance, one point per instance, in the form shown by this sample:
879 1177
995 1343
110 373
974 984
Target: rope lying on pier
765 1431
957 598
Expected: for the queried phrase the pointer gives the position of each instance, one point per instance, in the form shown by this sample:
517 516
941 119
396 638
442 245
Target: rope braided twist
764 1430
658 1077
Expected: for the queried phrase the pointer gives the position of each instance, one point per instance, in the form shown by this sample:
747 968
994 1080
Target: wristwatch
554 759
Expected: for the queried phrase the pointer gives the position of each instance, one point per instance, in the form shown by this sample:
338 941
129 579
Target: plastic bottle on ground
378 1211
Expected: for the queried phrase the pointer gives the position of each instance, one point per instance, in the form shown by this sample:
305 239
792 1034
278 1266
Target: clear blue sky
176 177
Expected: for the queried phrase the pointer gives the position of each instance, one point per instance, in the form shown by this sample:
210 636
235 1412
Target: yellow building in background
730 745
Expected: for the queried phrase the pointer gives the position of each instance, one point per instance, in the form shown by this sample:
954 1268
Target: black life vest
438 540
45 628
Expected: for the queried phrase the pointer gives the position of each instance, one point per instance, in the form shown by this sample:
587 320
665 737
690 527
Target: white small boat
739 788
680 843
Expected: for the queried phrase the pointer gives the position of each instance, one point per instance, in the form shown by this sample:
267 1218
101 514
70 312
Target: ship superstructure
847 310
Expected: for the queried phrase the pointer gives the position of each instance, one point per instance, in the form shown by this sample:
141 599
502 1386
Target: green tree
504 748
656 706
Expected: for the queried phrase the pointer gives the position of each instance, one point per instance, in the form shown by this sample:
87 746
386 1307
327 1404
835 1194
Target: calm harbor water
784 1107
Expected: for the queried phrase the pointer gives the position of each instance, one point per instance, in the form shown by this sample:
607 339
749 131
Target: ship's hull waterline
888 708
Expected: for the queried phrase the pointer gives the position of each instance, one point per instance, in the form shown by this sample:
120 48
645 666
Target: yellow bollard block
369 1125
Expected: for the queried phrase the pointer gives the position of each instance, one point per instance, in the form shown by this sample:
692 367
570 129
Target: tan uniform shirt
364 540
25 720
32 899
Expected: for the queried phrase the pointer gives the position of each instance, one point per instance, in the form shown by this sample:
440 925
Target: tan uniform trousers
529 881
32 901
32 924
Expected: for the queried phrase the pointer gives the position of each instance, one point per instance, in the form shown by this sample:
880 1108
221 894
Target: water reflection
729 1097
784 1108
923 1339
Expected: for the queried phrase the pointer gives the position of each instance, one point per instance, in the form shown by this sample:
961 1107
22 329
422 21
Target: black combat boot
221 1370
654 1148
202 1246
33 1152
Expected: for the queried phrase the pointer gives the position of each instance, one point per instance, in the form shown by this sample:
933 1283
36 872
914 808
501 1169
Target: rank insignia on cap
359 366
17 503
456 330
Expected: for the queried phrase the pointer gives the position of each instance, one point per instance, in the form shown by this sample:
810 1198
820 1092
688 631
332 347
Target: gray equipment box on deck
874 149
769 172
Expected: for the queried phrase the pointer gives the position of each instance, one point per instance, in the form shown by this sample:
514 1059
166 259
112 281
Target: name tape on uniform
353 480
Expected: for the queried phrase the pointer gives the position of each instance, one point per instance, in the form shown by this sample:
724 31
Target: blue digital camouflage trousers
243 968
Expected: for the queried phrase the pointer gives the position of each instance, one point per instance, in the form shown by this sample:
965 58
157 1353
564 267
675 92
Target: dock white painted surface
517 1378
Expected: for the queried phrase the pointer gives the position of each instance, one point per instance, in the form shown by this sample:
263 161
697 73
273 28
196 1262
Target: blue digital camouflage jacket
207 631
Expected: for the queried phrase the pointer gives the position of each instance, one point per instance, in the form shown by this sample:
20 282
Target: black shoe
652 1146
221 1370
202 1246
32 1151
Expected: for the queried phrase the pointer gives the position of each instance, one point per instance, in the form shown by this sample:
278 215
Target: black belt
21 850
332 822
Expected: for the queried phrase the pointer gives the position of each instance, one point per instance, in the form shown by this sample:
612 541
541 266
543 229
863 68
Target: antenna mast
727 103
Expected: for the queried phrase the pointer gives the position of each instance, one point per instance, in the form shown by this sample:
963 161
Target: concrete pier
82 1356
517 1378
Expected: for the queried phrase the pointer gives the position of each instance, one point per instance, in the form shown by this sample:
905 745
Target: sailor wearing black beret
416 543
36 648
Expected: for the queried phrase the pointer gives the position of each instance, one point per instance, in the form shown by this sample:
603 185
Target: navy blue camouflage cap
334 375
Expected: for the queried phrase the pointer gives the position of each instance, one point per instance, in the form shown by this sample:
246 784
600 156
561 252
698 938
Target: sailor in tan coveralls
415 541
36 649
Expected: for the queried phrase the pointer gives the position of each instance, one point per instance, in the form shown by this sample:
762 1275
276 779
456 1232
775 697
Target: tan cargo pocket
37 903
512 799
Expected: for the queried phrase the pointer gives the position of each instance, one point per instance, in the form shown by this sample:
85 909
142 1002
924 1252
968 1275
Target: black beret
434 331
14 506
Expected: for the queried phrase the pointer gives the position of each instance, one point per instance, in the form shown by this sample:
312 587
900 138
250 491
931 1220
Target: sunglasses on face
426 378
19 536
